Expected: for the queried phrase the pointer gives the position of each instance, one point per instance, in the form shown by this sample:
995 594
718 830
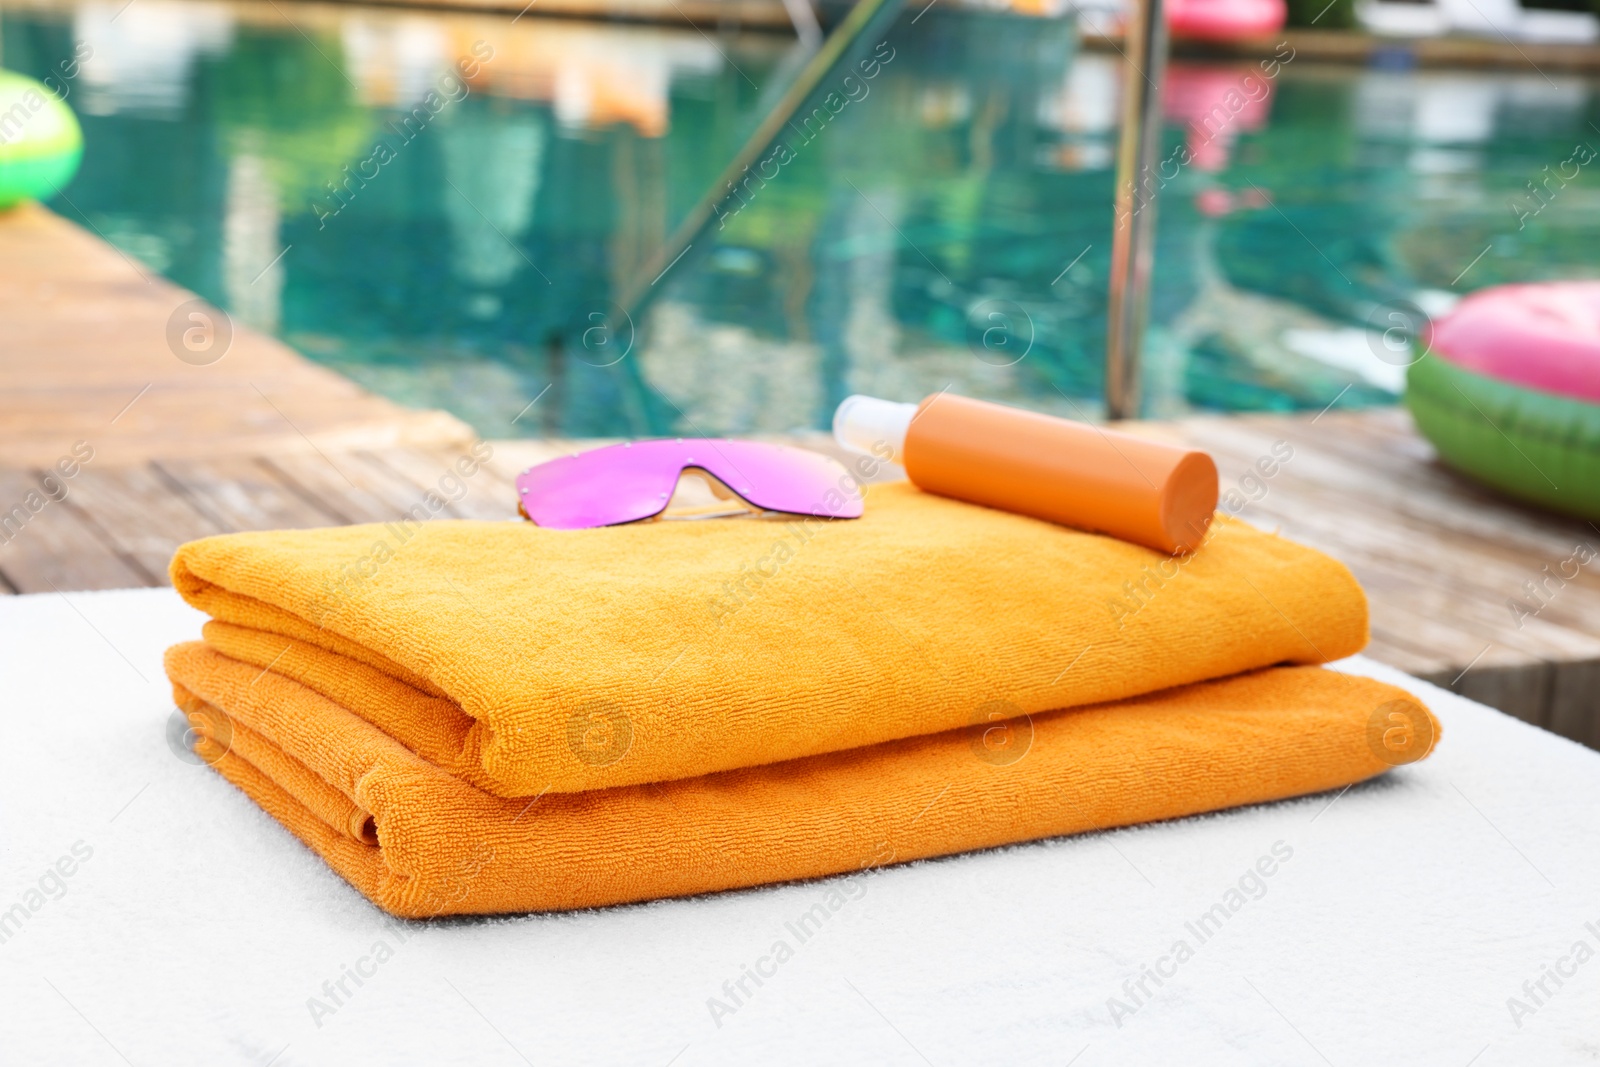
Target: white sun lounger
151 914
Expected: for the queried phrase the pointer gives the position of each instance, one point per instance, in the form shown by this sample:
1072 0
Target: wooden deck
262 438
87 353
753 14
1452 52
761 16
1442 558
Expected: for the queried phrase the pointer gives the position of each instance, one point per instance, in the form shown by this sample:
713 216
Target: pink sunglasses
633 481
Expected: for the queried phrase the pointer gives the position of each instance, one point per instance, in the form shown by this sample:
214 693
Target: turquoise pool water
949 226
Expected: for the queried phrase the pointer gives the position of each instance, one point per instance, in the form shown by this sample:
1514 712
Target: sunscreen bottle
1073 473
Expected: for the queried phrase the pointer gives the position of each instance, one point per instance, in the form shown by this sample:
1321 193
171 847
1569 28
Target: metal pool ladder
1133 222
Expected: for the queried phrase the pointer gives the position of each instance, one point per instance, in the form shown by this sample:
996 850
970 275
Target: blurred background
949 228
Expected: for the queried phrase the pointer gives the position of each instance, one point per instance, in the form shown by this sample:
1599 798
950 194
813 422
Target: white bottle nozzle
872 426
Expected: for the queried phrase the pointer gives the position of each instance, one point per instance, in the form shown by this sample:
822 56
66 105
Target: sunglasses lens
599 488
625 483
780 478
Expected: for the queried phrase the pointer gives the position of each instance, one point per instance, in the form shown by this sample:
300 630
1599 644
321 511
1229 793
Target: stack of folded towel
466 717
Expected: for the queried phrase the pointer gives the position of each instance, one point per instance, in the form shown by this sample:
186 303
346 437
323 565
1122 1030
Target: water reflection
456 238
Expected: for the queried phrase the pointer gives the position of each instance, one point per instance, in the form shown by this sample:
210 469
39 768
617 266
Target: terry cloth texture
419 842
501 650
483 717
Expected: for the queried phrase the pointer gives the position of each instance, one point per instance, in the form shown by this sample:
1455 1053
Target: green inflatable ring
1530 444
41 142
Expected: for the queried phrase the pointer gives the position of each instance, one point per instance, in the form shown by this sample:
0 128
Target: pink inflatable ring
1225 20
1508 391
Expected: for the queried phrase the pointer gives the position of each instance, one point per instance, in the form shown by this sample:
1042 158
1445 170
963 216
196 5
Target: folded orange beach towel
420 842
483 717
525 660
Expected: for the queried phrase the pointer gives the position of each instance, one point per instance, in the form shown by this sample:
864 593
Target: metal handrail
674 254
1134 220
1128 303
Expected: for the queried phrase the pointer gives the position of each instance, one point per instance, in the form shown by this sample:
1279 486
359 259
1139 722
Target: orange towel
421 842
483 717
525 659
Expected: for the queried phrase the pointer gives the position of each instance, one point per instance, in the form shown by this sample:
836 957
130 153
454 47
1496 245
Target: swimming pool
445 207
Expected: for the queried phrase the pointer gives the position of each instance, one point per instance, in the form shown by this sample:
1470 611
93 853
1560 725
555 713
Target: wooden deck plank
1440 557
484 494
512 457
1458 51
1573 700
55 550
1474 597
239 493
768 15
1418 487
1338 453
142 515
1493 567
348 485
1358 465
